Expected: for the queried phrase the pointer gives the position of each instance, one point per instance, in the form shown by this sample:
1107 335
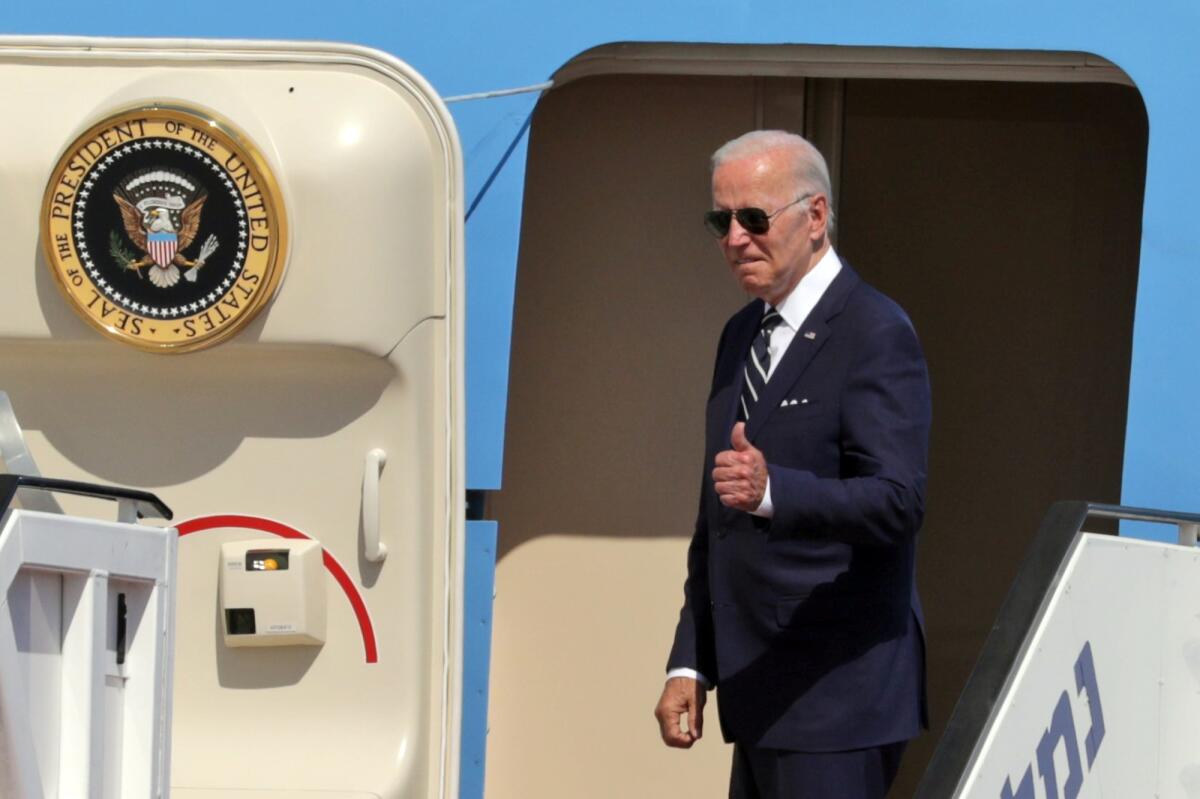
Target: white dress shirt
794 309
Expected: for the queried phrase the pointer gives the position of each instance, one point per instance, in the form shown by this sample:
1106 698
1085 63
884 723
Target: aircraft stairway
1089 682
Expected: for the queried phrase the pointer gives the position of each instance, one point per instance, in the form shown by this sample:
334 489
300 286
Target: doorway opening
996 197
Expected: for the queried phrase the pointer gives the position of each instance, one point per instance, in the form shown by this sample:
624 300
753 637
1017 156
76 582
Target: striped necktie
758 364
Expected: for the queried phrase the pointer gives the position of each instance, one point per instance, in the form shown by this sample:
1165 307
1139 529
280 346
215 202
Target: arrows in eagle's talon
210 246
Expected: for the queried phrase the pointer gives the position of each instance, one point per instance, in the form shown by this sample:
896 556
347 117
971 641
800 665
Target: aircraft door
233 274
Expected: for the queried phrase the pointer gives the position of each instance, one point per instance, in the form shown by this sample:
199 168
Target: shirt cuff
765 509
693 674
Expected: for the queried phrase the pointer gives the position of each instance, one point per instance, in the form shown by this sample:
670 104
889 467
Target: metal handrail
1188 523
145 504
1126 513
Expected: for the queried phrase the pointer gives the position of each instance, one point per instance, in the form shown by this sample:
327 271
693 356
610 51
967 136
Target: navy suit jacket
809 623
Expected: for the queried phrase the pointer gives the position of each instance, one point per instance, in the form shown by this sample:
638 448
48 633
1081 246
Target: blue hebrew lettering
1024 790
1085 680
1062 728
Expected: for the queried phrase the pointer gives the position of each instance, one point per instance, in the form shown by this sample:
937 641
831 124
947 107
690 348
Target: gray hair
810 172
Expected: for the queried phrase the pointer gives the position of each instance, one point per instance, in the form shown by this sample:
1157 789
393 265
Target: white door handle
374 548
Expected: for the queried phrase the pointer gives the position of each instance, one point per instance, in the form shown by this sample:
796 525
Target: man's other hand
680 696
740 476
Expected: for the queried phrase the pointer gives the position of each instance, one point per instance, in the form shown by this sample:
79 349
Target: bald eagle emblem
160 209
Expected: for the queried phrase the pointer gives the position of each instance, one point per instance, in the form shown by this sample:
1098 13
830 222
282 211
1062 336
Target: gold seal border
237 142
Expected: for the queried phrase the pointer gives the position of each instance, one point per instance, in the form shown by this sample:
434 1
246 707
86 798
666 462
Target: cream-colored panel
279 433
363 172
578 668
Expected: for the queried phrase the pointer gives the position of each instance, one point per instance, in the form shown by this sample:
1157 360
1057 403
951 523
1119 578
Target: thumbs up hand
740 474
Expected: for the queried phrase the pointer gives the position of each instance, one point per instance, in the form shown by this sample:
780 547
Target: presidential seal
164 228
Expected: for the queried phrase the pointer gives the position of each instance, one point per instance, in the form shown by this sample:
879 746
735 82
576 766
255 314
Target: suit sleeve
878 498
694 647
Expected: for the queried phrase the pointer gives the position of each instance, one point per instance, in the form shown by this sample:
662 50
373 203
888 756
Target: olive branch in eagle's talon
124 257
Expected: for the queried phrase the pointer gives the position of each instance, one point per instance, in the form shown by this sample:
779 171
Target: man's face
767 265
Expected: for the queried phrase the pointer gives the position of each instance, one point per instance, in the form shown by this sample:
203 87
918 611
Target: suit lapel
810 338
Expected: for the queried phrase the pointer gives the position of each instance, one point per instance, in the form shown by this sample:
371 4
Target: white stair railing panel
35 598
85 616
86 649
1089 683
19 772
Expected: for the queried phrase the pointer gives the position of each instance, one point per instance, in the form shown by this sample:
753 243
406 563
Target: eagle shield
161 247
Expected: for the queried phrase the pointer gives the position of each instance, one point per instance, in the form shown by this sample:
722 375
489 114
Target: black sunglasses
753 220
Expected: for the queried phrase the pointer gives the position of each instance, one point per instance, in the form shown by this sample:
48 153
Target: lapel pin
810 335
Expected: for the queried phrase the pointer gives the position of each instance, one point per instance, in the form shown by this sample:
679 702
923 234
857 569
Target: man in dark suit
800 604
